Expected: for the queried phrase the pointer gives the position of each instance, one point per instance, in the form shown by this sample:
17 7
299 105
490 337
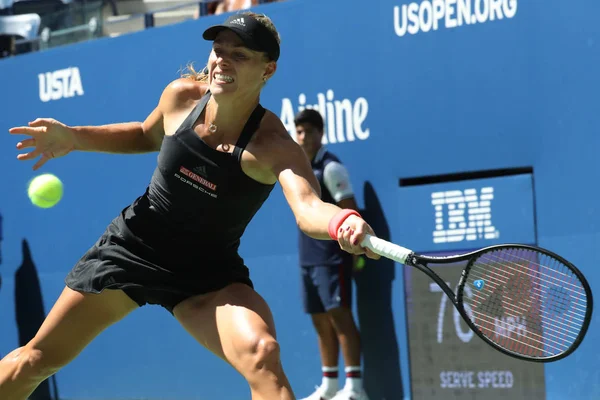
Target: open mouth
223 79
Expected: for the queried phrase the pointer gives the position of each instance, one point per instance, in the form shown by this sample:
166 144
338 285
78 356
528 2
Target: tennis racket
526 302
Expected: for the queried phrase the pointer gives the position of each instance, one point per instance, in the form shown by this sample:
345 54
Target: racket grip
386 249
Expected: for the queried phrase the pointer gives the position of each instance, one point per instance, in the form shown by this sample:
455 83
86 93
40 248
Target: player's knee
265 352
31 363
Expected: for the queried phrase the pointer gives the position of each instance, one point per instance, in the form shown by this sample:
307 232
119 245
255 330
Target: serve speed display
447 359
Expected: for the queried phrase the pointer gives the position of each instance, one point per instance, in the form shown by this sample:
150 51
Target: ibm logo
463 215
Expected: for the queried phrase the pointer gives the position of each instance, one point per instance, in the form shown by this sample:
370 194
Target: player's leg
236 324
326 335
335 289
73 322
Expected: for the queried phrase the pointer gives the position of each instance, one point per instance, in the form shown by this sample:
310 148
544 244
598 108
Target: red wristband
338 220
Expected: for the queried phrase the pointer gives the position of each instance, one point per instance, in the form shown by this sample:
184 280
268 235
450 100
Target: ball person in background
326 271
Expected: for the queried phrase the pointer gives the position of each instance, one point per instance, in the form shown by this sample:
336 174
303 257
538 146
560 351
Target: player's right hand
350 235
49 139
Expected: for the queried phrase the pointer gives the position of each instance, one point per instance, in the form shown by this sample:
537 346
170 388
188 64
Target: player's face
308 137
235 68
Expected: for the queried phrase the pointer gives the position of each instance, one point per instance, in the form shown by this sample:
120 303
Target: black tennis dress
181 237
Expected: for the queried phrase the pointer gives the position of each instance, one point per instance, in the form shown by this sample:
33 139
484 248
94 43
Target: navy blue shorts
325 287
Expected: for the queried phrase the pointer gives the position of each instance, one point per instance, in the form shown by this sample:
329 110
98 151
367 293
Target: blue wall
511 92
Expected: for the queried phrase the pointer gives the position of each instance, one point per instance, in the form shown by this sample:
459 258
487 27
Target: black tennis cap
255 35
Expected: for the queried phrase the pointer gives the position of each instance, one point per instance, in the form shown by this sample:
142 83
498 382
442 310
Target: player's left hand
351 234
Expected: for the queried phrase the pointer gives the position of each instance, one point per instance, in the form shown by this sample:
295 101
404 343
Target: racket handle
386 249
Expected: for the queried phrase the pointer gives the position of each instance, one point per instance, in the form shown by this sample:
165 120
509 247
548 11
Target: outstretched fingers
42 122
27 130
29 156
24 144
43 160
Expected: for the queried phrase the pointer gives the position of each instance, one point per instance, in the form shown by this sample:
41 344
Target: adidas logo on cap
239 21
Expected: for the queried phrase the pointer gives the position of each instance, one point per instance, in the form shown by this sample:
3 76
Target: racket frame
421 263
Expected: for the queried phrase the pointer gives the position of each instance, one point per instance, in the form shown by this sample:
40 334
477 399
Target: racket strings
523 307
496 278
527 307
556 280
519 307
540 339
494 327
521 310
556 271
560 300
535 330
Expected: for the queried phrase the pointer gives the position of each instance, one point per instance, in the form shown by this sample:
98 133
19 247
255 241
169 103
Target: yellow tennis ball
45 190
360 263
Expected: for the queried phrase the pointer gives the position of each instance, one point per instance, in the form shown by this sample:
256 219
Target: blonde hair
201 76
191 73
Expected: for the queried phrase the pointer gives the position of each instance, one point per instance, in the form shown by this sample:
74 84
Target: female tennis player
220 155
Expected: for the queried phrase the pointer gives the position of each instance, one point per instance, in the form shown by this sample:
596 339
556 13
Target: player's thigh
76 319
230 322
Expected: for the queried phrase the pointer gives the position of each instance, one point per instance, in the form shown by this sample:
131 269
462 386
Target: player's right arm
337 181
51 138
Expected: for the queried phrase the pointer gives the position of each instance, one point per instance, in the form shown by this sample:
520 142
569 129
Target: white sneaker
320 394
348 394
